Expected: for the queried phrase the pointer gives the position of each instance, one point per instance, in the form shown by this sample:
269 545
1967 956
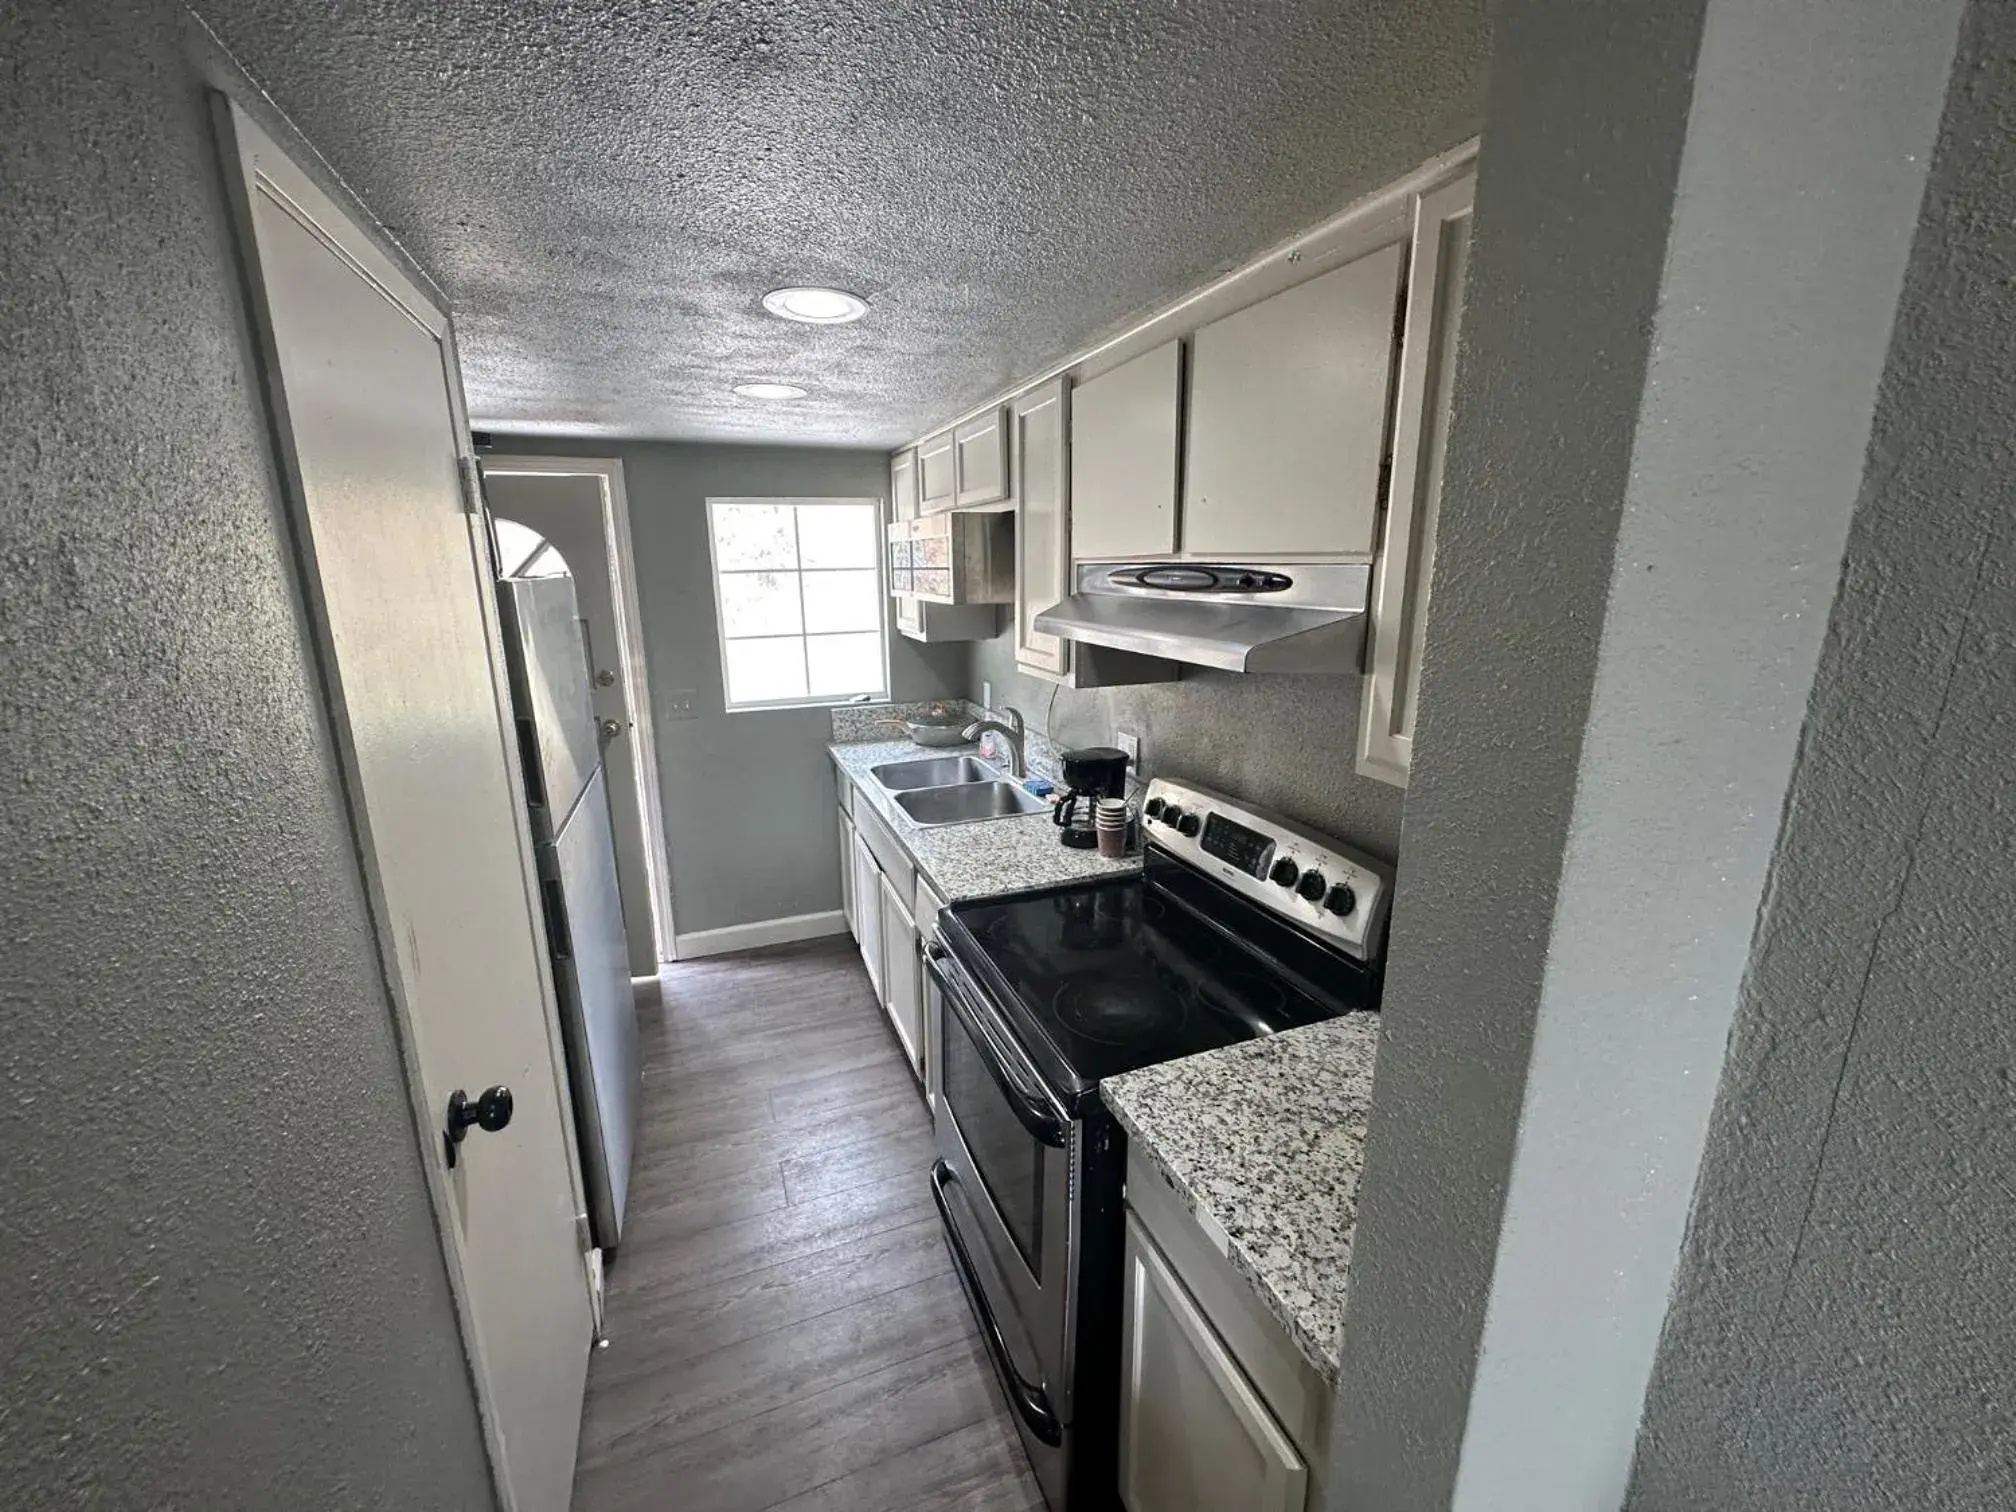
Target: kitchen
1453 1049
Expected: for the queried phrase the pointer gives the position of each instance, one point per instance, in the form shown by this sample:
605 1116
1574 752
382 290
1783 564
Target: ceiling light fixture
769 391
815 306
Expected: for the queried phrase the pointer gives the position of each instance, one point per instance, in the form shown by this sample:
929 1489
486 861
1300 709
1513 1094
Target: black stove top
1113 975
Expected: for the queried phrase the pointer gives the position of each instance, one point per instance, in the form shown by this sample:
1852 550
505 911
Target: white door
1194 1434
370 428
902 992
980 459
903 485
1287 432
937 475
1124 429
847 871
868 913
580 513
1042 523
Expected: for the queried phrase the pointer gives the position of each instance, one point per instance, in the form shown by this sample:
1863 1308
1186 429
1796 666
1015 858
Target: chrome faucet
1013 732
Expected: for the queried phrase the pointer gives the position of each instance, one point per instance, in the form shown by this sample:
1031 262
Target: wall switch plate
1129 742
680 703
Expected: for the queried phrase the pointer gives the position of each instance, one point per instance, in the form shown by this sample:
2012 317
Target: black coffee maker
1089 775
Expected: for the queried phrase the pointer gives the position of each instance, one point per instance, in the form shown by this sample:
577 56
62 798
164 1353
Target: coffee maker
1089 775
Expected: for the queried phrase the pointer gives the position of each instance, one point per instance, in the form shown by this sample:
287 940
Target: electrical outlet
1129 742
986 695
680 703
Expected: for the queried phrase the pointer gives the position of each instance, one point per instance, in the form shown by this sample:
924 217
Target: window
798 597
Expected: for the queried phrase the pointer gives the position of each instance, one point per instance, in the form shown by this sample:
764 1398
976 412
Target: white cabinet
868 912
903 484
1440 259
902 986
937 475
1287 422
1194 1435
980 459
1036 422
1124 428
847 871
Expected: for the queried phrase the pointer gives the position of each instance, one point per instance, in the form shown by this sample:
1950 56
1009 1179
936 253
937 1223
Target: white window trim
821 700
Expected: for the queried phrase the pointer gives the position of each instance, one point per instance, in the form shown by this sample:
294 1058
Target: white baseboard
810 926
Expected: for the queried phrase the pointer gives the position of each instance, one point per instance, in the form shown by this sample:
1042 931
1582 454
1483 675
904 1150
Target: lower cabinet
847 871
1194 1434
868 913
902 967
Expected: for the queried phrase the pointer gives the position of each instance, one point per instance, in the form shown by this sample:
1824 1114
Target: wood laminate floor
786 1329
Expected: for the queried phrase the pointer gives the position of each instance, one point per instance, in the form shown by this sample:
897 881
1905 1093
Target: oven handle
1029 1104
1031 1401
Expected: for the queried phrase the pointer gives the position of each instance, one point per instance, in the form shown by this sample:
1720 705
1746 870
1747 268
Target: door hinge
472 485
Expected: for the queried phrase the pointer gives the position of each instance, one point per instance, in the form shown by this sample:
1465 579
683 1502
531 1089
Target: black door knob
490 1112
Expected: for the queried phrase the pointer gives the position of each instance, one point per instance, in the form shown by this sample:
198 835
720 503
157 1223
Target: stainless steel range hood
1235 616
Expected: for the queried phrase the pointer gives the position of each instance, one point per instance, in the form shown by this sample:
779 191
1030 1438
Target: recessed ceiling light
769 391
816 306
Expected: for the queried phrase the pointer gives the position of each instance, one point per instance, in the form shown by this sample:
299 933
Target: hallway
787 1331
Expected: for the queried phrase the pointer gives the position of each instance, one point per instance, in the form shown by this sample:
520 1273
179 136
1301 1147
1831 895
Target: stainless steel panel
598 1014
550 669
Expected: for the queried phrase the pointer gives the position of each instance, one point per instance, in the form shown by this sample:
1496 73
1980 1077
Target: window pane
844 664
761 671
760 603
841 601
753 535
838 535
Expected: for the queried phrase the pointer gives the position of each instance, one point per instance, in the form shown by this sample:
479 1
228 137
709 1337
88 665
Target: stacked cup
1109 822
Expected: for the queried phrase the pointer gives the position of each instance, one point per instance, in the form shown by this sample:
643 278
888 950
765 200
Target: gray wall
1841 1336
748 797
1692 226
1285 742
219 1280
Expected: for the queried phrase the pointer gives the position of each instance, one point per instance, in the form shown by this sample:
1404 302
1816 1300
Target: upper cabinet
980 459
937 475
1124 432
1439 260
1288 403
903 484
1042 522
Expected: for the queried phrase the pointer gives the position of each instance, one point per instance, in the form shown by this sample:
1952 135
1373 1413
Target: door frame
621 558
251 157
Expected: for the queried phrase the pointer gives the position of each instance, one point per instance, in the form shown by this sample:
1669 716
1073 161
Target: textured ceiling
606 189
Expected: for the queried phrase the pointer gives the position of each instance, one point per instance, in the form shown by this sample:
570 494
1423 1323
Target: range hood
1235 616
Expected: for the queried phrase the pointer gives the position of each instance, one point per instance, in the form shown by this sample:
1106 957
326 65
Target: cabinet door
868 913
1194 1435
1123 458
980 459
903 484
1288 402
847 869
902 990
1042 522
937 475
1439 261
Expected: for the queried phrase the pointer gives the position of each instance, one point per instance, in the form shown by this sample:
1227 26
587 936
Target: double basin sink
953 790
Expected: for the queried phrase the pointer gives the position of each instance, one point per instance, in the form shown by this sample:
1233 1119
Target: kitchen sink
968 801
933 771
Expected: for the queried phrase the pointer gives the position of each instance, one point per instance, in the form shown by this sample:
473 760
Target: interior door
372 439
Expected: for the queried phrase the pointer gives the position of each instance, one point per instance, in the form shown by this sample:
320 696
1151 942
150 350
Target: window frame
721 637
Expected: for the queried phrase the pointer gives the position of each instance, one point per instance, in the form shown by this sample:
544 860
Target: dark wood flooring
786 1329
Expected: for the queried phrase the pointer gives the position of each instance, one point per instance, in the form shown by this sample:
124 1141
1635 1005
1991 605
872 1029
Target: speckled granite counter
1264 1141
976 860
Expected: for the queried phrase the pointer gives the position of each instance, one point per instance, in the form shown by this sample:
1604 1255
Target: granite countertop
1264 1141
981 859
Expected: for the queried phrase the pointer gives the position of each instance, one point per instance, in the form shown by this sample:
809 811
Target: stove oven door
1003 1182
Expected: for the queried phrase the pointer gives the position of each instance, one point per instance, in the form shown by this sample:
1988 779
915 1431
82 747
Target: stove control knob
1341 900
1189 824
1312 885
1172 814
1285 873
1152 807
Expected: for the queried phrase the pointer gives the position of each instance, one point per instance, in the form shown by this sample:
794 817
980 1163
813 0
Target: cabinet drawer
886 848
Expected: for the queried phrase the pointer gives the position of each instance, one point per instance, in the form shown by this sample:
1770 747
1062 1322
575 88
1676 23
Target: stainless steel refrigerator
567 790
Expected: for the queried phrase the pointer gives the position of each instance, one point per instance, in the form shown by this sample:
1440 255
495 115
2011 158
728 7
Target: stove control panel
1321 884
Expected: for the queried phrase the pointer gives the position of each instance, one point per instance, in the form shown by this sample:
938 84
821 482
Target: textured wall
748 797
608 188
1285 742
1841 1336
1628 591
219 1280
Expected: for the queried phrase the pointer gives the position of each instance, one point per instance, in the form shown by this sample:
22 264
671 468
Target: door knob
490 1112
